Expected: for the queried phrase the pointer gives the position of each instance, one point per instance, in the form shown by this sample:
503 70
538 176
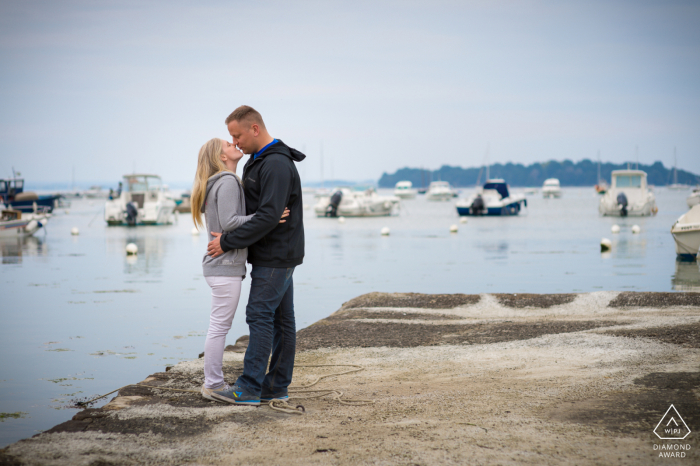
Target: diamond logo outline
672 419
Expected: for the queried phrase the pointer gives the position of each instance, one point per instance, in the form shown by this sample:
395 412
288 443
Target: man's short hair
247 114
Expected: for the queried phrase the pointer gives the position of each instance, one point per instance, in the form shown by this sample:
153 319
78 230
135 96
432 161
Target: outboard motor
477 206
132 213
622 202
332 209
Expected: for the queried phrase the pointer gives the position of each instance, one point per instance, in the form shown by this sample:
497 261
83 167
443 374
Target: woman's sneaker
236 395
208 392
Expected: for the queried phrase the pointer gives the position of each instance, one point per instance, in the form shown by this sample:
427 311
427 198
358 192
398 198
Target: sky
99 89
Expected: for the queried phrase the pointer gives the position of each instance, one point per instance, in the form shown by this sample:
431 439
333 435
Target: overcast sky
109 87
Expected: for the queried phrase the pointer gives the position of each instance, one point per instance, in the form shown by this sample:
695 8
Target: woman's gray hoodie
224 209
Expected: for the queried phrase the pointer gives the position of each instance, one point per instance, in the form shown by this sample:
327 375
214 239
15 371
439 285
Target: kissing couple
258 218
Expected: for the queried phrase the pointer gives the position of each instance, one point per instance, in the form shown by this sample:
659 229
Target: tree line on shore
583 173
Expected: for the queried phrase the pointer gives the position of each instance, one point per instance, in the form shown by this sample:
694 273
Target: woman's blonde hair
208 164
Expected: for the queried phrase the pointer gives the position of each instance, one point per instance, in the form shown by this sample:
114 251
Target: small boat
183 204
13 195
96 192
15 223
356 202
143 202
551 188
686 234
404 190
602 186
694 198
629 195
676 186
493 199
440 191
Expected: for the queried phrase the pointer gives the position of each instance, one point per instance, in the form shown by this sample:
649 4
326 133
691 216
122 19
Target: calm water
79 318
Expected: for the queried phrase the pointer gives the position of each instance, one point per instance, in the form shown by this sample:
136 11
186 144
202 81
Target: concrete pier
457 379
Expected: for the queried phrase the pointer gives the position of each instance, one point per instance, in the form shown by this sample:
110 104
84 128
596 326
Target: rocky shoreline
494 378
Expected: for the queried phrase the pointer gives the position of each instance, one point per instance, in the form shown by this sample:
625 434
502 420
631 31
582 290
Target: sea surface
80 318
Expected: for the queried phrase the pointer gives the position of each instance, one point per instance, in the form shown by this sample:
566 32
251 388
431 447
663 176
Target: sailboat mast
488 175
675 166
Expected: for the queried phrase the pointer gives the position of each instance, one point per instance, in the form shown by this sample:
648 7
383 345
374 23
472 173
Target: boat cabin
499 186
142 188
622 179
10 188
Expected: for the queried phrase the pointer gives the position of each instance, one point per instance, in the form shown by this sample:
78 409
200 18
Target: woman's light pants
225 293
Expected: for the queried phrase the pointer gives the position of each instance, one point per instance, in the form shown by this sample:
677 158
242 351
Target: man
271 183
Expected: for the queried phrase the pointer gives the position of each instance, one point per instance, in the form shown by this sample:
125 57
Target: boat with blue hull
12 194
494 198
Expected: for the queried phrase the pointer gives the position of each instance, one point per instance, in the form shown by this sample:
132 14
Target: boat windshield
500 187
628 181
140 183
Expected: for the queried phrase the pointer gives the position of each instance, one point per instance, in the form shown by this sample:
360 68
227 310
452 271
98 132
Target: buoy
463 220
615 229
195 231
341 219
605 245
131 249
636 229
66 211
74 231
385 231
454 229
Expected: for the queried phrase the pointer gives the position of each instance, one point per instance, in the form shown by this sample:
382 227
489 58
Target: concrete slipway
456 379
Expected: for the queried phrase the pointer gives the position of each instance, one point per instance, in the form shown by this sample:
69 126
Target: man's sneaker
266 398
207 392
236 395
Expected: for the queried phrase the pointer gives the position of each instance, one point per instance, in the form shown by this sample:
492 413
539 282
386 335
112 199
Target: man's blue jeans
270 319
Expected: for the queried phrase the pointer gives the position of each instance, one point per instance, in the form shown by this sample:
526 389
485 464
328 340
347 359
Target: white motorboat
493 198
440 191
628 195
15 223
694 198
551 188
686 233
96 192
404 190
143 202
357 202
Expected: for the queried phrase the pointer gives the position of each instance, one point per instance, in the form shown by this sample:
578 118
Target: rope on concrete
285 407
278 405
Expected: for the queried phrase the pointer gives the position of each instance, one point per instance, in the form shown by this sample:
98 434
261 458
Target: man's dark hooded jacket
271 183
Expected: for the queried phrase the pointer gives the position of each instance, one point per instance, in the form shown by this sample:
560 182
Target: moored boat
628 195
144 201
686 234
357 202
15 223
494 198
440 191
551 188
13 195
404 190
184 203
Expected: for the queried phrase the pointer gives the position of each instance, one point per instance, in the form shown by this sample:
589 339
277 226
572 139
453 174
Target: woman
218 194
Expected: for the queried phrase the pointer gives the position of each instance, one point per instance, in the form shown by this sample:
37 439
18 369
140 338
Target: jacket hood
282 148
210 184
